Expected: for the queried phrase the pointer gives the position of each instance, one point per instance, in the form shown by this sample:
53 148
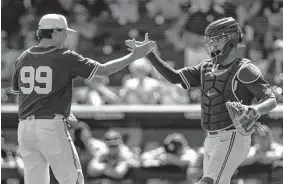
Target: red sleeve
82 66
191 76
15 84
260 89
253 80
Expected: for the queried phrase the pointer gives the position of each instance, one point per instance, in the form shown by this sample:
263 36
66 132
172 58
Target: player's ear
54 32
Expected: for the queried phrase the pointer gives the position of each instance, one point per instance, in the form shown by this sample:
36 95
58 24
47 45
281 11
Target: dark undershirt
260 89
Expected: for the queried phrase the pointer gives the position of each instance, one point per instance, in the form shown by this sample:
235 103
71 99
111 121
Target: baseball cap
54 21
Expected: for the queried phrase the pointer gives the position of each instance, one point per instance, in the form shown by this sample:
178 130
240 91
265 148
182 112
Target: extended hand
130 43
141 49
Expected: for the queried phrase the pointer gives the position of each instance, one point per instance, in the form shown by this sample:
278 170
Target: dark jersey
43 80
239 81
259 89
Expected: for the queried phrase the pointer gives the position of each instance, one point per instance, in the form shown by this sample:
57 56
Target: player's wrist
133 56
255 111
155 51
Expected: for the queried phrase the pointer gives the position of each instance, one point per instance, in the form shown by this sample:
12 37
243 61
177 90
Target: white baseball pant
44 142
223 153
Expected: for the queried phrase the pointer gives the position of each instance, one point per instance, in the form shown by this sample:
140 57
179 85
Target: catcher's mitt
70 121
244 118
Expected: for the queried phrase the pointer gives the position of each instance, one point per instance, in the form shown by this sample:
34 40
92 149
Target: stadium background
147 113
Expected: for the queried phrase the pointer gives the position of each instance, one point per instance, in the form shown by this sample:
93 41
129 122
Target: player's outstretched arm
162 67
116 65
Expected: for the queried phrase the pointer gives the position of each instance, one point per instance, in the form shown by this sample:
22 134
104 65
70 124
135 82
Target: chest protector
216 88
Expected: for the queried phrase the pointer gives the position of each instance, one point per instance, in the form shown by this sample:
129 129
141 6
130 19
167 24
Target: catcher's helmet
222 36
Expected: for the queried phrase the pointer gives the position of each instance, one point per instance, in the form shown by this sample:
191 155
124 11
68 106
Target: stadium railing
150 116
142 115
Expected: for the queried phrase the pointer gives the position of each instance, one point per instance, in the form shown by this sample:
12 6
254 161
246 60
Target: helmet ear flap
240 39
241 35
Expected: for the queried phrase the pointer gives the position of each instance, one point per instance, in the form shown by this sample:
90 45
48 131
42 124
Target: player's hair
175 142
45 33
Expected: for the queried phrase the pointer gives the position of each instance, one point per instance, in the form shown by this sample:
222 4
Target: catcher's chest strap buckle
217 132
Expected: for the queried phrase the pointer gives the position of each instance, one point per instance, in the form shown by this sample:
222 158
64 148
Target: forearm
115 65
177 161
164 69
110 172
181 162
116 173
95 169
108 95
273 155
265 106
95 99
122 169
248 161
151 163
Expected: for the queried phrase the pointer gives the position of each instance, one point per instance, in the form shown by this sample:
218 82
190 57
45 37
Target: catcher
228 85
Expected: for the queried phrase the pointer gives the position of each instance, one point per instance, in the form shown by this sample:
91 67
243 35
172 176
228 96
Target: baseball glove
70 121
244 118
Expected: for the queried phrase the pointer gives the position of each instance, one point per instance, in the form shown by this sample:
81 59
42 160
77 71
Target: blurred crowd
111 159
176 25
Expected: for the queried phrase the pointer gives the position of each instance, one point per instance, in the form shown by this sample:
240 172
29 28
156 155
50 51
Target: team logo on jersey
211 93
267 91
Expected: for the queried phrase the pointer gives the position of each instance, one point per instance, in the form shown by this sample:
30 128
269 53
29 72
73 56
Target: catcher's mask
221 37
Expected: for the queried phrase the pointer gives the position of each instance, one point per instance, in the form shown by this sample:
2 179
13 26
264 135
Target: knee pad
206 180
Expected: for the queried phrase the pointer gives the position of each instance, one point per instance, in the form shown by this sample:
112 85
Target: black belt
39 117
214 133
45 116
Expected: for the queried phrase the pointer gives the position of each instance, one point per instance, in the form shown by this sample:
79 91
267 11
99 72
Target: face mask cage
214 45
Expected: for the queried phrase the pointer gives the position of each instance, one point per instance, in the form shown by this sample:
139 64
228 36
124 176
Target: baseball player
43 79
224 78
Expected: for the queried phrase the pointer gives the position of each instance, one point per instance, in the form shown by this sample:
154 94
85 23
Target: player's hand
70 121
130 43
141 50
